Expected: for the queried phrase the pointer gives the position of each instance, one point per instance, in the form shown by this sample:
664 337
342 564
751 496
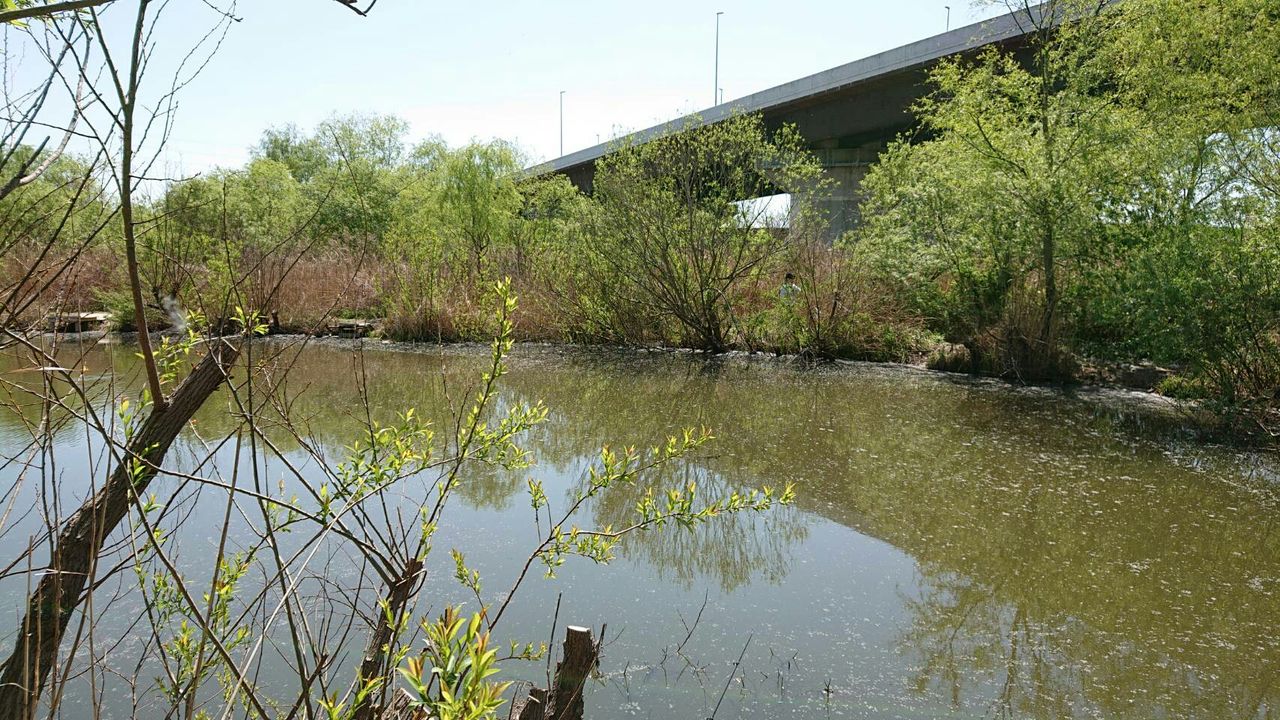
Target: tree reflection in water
1064 558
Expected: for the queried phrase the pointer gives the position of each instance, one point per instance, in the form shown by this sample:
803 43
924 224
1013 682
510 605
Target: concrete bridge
848 114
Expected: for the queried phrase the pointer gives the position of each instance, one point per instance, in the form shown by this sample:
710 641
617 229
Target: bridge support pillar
834 206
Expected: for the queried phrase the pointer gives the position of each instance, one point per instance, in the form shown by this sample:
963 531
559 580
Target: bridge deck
839 84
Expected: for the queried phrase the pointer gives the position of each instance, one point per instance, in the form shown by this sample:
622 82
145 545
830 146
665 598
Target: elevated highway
848 114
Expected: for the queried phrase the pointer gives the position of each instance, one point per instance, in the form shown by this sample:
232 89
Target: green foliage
982 225
1207 299
1182 388
187 637
1114 195
218 242
62 204
449 680
433 226
833 307
1194 277
463 220
680 506
119 305
52 218
478 199
304 156
387 455
669 235
1112 190
355 190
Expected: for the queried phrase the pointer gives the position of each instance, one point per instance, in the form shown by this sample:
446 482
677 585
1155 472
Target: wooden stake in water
571 674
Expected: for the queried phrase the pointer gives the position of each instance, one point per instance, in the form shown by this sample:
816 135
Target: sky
465 71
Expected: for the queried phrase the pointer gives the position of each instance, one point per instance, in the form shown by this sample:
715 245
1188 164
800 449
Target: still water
958 548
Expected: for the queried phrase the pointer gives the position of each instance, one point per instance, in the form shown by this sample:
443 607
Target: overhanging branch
40 11
354 6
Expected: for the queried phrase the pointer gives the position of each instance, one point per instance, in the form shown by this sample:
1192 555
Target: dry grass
1016 348
79 289
838 313
335 283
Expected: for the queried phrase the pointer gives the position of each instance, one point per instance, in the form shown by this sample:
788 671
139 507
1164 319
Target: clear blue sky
495 69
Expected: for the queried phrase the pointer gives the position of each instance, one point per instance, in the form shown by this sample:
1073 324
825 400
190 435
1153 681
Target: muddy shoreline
1089 388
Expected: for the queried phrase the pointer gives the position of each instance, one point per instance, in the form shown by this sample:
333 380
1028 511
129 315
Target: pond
958 548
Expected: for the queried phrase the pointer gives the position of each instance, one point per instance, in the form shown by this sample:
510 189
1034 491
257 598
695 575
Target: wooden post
535 705
571 674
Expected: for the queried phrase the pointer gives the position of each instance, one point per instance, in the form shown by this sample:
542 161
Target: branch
354 7
42 11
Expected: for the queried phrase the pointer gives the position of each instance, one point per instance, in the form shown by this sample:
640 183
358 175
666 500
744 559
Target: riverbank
1101 389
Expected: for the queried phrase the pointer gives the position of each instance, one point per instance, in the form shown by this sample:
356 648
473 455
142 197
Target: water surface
958 548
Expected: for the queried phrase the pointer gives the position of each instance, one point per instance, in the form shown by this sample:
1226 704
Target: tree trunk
580 654
376 663
75 551
1048 252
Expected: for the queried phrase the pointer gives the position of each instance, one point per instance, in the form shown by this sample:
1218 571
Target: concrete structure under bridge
848 114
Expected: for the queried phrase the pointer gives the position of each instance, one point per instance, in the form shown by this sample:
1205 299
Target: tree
478 198
1023 163
1201 284
304 156
74 545
358 185
672 228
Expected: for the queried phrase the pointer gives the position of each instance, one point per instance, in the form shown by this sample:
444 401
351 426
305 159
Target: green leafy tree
365 172
305 156
672 235
990 218
479 202
1200 281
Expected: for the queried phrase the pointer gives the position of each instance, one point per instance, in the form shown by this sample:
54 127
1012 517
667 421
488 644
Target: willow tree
479 202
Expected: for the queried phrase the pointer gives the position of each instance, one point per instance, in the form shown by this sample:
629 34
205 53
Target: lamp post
948 7
561 123
715 89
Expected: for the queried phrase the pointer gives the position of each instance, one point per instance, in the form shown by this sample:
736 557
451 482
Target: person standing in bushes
786 318
789 289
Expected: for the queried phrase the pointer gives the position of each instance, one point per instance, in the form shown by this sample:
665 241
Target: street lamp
948 7
715 89
561 123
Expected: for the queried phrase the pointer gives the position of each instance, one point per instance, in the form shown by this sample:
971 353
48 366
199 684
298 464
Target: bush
119 303
671 237
1182 387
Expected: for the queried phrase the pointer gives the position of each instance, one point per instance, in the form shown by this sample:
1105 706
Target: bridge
847 114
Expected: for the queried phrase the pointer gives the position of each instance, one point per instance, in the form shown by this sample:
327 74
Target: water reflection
958 547
1099 594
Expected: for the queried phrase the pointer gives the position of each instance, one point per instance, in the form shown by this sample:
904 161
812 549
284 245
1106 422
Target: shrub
671 234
